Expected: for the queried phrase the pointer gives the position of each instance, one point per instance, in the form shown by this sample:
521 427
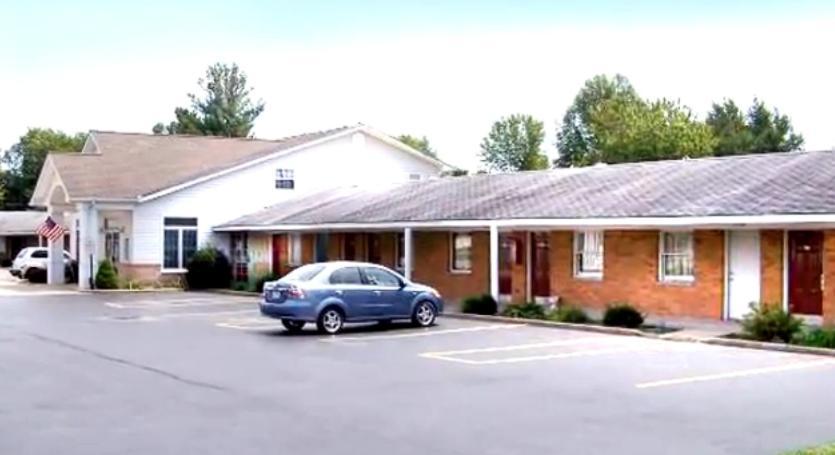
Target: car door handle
377 292
338 292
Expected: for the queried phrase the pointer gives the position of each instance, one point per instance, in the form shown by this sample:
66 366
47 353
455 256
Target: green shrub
769 322
570 314
240 286
106 277
817 337
208 268
529 310
622 315
259 282
480 304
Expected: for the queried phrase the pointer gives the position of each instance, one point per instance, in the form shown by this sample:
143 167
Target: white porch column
88 244
407 253
494 261
55 262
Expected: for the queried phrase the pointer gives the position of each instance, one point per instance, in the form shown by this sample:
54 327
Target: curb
554 324
128 291
728 342
231 292
764 346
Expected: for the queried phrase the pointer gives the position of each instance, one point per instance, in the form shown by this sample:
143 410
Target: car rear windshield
304 273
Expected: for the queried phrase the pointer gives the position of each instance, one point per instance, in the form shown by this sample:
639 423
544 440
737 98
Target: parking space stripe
516 347
535 358
422 333
735 374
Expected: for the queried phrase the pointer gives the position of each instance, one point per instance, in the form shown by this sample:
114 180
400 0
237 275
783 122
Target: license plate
276 294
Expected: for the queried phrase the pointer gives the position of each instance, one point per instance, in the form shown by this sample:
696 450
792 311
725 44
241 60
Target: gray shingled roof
778 183
20 223
130 165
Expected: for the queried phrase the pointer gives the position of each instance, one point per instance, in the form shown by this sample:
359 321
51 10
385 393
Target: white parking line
422 333
250 324
515 347
535 358
735 374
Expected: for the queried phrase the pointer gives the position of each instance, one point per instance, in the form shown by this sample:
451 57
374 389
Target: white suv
31 262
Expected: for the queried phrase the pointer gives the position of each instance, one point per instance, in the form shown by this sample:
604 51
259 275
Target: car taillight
295 292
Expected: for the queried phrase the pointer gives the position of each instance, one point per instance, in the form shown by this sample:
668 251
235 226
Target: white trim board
684 223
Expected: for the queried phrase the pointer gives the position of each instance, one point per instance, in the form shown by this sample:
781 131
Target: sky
443 69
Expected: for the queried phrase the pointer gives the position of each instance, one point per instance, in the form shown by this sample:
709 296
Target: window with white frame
285 179
588 254
179 242
294 250
676 256
461 252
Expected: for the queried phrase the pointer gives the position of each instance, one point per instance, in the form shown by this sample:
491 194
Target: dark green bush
529 310
622 315
259 282
769 322
208 268
106 277
480 304
570 314
817 337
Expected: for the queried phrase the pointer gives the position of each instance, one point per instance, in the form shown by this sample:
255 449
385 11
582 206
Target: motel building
701 238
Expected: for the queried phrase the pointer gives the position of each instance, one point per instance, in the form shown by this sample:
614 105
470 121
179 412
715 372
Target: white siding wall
345 161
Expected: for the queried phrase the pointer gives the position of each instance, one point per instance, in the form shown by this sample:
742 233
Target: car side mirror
402 284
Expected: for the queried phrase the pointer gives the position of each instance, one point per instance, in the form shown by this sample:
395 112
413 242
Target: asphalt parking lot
203 373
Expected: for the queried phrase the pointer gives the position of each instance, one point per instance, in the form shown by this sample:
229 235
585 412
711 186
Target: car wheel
330 321
424 314
292 326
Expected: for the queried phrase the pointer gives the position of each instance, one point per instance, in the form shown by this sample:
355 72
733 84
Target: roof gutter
734 221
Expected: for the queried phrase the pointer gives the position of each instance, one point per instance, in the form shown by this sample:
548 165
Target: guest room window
285 179
676 256
588 254
179 242
461 251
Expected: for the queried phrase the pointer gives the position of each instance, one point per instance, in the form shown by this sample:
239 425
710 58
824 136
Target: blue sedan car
333 293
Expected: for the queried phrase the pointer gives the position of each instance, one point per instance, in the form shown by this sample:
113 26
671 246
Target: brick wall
431 265
771 261
829 278
630 273
144 273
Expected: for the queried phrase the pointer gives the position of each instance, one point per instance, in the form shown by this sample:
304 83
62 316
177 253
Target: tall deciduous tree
25 159
420 144
608 122
224 109
639 131
576 139
515 144
760 130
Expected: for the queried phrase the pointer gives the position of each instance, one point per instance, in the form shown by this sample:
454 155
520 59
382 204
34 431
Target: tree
25 159
515 144
420 144
627 131
758 131
224 110
576 141
608 122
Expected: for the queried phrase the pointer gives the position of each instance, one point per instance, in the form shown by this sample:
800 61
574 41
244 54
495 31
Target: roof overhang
788 221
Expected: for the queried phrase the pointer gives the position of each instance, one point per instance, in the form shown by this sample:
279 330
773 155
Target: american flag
51 230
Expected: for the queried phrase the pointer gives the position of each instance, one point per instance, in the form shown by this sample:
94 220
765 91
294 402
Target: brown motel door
541 266
805 272
279 247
